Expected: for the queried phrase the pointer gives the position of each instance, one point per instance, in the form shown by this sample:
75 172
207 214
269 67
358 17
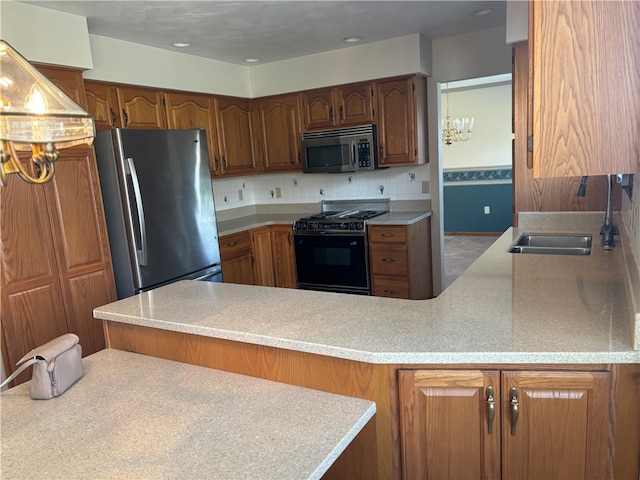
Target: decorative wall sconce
35 115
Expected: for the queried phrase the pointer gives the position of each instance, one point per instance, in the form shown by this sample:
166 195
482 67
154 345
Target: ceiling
275 30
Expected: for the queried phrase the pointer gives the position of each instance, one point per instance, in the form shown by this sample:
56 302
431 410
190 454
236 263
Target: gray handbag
56 366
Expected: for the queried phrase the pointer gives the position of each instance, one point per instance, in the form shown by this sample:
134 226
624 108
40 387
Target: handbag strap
20 369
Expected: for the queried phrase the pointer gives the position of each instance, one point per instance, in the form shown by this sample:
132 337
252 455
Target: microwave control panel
364 154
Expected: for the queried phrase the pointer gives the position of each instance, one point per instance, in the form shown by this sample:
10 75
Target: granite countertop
505 308
127 418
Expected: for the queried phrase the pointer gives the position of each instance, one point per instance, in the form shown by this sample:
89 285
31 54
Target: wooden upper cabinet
141 107
355 104
235 136
402 121
186 111
102 103
585 59
344 105
66 79
532 194
279 119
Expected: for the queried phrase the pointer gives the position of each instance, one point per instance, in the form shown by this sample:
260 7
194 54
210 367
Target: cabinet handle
530 149
388 260
491 407
231 244
387 235
224 160
289 238
113 117
216 163
331 114
341 112
515 410
253 260
126 117
390 292
381 151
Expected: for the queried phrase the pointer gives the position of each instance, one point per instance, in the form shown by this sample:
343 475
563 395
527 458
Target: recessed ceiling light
482 11
252 60
352 39
181 44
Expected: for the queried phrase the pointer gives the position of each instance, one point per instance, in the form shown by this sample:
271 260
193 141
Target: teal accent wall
464 207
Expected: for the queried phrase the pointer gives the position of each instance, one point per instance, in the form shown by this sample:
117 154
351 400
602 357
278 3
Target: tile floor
460 251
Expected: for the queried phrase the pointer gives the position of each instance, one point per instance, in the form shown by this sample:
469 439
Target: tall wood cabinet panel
235 136
279 119
195 111
586 79
261 246
402 121
490 424
532 194
56 264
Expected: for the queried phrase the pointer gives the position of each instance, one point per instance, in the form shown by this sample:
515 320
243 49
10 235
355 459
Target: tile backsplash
398 183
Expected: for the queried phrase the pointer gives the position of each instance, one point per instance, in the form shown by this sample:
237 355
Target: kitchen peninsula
562 324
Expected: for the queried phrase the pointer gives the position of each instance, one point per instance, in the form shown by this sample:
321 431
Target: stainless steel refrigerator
158 201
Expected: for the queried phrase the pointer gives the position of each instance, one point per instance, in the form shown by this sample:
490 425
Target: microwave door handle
353 154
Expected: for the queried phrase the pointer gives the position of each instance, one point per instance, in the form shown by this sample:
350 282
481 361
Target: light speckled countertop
505 308
134 416
258 220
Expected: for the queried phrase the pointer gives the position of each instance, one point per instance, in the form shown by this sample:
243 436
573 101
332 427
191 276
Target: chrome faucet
608 229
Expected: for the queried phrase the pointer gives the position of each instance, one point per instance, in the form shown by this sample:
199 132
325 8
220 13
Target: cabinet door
142 107
261 245
283 256
102 103
195 111
235 136
66 79
74 204
449 424
556 425
280 129
396 122
586 79
30 293
532 194
318 109
355 104
237 258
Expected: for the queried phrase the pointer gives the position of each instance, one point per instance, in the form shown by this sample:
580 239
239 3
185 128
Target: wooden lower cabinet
510 424
261 256
400 260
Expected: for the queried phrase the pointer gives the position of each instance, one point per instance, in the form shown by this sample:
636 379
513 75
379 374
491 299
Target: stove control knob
343 226
359 225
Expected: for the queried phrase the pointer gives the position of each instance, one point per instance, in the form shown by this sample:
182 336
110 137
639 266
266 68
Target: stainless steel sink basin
553 244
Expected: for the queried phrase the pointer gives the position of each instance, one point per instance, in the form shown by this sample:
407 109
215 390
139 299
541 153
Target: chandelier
457 129
36 117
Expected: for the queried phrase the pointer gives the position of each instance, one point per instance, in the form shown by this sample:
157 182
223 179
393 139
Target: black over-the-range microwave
340 150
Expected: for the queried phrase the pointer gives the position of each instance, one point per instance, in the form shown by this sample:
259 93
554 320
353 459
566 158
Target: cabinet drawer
391 287
390 260
234 243
388 234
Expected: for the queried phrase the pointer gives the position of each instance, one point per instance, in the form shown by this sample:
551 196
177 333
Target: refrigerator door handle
142 251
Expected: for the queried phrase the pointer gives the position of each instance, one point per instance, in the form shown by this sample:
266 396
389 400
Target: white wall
517 21
45 36
397 56
126 62
490 142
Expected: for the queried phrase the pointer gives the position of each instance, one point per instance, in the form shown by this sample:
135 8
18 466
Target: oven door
332 262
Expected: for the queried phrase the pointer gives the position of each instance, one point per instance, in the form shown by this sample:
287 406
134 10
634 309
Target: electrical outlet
240 195
487 210
425 186
278 192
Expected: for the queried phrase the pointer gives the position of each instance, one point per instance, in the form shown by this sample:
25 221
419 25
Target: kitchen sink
553 244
